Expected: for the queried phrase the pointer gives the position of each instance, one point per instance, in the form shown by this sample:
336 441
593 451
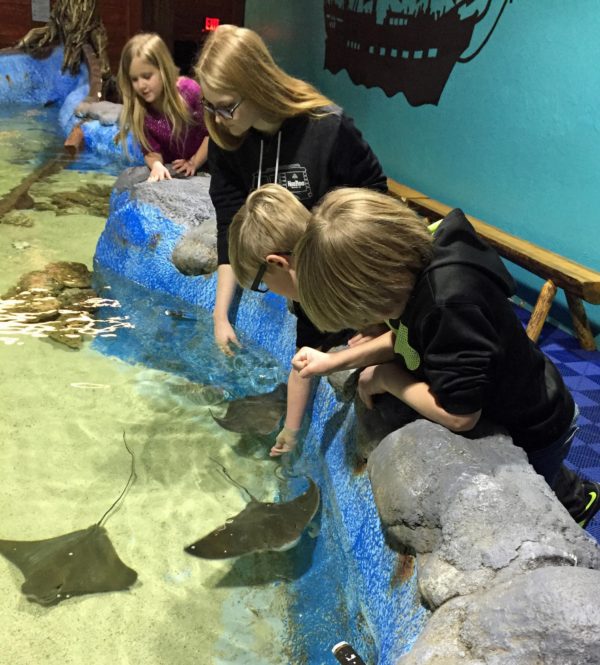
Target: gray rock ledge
496 552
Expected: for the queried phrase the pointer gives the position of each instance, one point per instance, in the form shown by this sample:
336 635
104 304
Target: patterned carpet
581 372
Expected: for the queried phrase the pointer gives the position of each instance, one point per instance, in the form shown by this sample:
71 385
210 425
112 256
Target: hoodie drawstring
260 160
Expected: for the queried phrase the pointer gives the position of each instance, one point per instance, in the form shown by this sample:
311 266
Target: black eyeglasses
223 111
261 273
258 279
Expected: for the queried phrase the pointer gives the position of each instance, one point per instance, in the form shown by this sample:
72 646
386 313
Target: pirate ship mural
410 46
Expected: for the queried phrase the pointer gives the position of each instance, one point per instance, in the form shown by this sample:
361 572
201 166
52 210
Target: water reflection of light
17 324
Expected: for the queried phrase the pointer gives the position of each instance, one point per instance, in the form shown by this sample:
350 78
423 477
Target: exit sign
211 23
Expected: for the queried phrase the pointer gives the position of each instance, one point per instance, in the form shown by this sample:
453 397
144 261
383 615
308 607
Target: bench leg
580 323
540 311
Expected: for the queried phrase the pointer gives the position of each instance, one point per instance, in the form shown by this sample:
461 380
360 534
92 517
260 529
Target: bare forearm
374 352
201 155
299 391
152 157
418 396
226 285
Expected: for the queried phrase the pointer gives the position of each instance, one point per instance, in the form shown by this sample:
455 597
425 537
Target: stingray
260 527
256 414
73 564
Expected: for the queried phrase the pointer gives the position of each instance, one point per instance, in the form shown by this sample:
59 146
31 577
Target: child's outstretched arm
158 171
298 394
225 335
310 362
393 379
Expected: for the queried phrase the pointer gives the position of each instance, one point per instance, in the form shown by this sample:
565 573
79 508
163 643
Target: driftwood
19 198
75 24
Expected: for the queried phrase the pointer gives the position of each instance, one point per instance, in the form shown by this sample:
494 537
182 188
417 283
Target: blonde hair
150 48
271 221
236 60
359 258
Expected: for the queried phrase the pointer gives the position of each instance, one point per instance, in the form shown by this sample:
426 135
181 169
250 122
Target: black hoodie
313 156
472 349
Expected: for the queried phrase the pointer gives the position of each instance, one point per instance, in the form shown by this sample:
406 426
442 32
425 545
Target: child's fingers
299 365
300 360
226 346
359 338
355 340
280 449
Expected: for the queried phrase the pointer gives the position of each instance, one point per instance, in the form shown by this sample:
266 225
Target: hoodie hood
457 243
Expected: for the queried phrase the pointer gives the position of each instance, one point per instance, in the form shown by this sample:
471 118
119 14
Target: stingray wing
260 527
256 414
73 564
31 555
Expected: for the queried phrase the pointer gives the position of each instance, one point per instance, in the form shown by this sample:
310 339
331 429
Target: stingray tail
128 484
232 480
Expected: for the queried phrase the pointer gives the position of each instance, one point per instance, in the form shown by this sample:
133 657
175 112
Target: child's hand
372 382
285 442
159 172
225 336
184 166
367 335
310 362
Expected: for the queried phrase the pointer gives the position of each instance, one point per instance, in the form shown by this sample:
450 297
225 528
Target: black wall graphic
410 48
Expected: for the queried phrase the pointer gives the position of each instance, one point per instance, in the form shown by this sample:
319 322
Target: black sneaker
592 494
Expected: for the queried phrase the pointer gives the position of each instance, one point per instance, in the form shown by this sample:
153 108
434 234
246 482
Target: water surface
64 413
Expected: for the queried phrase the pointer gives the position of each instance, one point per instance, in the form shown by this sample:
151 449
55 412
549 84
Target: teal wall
515 137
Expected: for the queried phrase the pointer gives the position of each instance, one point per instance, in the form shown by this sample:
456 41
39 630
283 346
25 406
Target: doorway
185 24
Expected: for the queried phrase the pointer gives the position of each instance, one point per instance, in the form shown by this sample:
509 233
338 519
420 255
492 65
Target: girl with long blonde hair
162 110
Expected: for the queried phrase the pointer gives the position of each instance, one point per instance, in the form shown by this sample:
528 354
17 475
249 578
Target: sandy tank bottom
63 463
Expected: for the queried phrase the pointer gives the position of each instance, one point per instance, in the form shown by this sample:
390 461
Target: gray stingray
74 564
260 527
256 414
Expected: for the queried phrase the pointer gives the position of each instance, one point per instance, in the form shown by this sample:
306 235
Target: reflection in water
15 324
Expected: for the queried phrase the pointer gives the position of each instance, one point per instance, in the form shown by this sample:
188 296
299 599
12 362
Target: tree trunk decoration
74 24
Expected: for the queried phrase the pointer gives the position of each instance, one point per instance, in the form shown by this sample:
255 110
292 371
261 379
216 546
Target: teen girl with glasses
267 126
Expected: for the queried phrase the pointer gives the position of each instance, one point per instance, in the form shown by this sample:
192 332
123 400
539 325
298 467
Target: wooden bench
578 282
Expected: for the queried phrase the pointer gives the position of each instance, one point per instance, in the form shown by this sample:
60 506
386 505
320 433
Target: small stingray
256 414
260 527
74 564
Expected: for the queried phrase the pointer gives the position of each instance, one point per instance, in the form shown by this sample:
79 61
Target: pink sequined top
158 129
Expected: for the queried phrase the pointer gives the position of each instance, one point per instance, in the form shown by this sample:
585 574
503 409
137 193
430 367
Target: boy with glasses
262 236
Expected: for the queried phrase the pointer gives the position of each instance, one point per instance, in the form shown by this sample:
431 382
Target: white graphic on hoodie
291 176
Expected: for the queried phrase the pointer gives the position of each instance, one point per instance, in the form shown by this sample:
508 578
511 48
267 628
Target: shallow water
64 413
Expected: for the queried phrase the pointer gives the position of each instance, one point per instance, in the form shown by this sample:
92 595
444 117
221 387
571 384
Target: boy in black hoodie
262 236
460 351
